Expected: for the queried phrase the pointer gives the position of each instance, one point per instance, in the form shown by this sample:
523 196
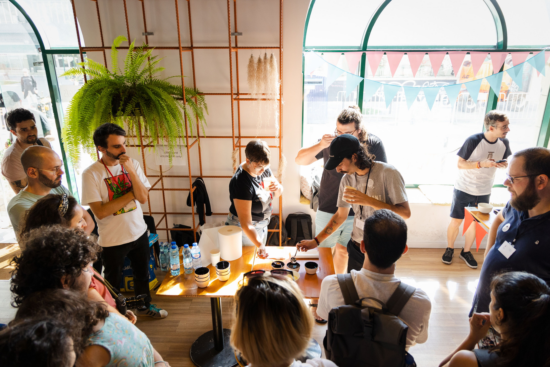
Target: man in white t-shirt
114 187
384 241
478 160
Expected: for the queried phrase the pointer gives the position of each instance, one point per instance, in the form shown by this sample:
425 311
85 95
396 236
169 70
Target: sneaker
448 256
468 259
153 311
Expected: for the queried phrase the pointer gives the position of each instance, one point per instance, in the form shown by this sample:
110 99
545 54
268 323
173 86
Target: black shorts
462 200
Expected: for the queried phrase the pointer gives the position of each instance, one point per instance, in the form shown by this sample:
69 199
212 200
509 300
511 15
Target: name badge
360 223
507 249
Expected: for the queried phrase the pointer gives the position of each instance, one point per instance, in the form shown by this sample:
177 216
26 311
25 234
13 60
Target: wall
259 22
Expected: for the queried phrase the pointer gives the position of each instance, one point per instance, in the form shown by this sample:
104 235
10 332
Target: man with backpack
404 319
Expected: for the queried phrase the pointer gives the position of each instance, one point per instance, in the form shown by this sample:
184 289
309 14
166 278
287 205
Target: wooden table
482 221
213 349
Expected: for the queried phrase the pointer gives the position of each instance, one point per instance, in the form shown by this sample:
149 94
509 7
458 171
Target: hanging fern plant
134 98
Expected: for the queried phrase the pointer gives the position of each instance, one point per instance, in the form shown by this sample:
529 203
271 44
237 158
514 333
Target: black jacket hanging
200 199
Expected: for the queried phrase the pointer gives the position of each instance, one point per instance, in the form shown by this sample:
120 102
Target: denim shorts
259 226
342 234
462 200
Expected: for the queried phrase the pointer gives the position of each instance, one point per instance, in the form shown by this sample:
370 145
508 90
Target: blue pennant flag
410 95
431 95
473 88
538 62
495 81
313 61
352 82
371 87
390 91
333 74
452 92
516 73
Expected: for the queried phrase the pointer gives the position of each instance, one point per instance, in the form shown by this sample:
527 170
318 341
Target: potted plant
134 98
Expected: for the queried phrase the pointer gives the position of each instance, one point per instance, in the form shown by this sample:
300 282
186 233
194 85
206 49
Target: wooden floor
450 289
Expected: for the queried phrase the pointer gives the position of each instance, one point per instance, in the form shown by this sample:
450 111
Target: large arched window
422 141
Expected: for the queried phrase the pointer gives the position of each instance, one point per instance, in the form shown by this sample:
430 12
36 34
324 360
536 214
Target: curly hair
101 134
69 307
45 212
50 253
352 114
364 158
17 116
35 342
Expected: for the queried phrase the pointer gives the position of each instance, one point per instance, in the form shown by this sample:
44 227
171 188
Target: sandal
317 320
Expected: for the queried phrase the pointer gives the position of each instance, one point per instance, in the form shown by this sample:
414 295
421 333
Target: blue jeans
259 226
342 235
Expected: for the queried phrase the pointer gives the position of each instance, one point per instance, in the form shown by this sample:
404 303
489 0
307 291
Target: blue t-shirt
531 239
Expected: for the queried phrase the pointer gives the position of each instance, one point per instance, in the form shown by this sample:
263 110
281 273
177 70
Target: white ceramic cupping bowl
202 280
223 274
484 208
311 267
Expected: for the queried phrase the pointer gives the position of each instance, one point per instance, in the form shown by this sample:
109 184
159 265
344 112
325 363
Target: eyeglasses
511 179
54 170
259 273
338 133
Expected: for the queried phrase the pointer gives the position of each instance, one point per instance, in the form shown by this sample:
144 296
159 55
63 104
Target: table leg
212 349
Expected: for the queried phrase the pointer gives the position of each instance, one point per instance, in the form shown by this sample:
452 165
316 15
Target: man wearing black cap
385 190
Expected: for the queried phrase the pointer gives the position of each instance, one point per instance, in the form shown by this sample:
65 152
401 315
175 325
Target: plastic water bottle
196 253
187 259
164 256
174 260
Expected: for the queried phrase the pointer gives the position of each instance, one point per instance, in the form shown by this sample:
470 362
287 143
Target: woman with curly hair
520 313
101 338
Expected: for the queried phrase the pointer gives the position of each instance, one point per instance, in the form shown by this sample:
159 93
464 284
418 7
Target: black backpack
183 237
273 237
367 336
298 227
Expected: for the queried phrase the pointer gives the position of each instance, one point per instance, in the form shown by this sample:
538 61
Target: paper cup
215 257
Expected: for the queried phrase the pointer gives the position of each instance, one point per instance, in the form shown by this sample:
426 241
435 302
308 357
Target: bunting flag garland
352 82
390 91
473 88
371 88
452 91
374 60
538 62
415 59
410 95
333 74
477 59
313 62
394 59
519 57
457 58
436 59
495 82
332 57
516 73
353 59
430 94
497 59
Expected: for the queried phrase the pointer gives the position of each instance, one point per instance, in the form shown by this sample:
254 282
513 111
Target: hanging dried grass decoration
252 76
273 82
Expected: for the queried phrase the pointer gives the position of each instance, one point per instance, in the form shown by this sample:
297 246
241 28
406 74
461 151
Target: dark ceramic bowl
277 265
201 271
311 267
222 265
293 266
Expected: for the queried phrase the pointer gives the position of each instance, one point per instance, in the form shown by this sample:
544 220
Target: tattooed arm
18 185
335 222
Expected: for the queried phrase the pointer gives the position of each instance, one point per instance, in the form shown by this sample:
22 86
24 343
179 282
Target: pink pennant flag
394 58
374 58
497 59
519 57
332 57
353 59
415 59
436 59
457 58
477 60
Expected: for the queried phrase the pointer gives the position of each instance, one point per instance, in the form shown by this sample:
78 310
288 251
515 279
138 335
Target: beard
528 199
112 156
52 184
31 139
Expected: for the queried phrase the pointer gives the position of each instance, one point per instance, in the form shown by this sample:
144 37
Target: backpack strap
294 231
399 298
348 288
305 229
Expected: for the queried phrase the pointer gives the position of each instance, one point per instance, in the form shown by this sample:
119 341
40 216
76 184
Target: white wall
259 22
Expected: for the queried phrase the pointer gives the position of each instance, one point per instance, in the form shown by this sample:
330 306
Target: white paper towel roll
230 240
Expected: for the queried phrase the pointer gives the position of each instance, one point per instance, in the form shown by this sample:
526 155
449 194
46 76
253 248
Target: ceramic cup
214 257
202 277
293 266
277 265
311 267
223 270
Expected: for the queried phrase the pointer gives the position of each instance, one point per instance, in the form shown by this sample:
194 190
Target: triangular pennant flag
333 74
371 87
477 59
457 58
473 88
352 81
538 62
394 59
415 59
332 57
497 59
390 91
436 59
353 59
546 56
452 91
519 57
516 73
431 94
313 61
495 81
410 95
374 58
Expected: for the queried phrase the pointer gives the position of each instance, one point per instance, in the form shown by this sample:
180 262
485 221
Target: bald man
44 172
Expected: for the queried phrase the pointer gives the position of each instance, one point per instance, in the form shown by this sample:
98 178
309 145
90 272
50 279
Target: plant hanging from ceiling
134 98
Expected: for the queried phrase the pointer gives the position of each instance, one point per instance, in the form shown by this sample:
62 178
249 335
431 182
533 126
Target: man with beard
519 238
114 187
44 171
22 124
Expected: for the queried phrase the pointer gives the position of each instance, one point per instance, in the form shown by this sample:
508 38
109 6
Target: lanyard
366 189
113 178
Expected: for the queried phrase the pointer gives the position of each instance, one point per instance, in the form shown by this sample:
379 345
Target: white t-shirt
127 224
315 362
416 313
12 169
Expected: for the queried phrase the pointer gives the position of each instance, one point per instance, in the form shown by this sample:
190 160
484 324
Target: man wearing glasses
44 172
478 159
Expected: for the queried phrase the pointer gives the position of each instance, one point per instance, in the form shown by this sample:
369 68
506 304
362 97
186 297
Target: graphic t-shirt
476 148
385 184
125 225
330 180
245 187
